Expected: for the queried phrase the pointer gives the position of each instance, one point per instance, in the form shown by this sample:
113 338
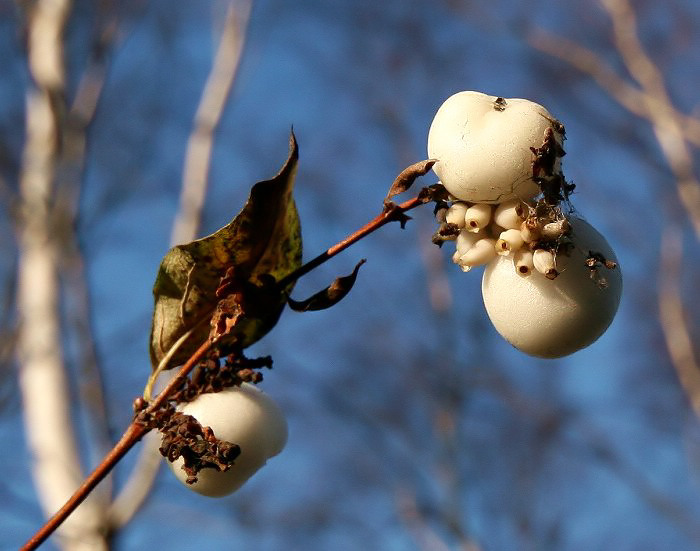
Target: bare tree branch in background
589 62
673 322
186 225
651 102
673 131
42 379
416 524
69 177
211 106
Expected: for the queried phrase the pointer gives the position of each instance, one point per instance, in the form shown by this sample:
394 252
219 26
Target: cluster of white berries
241 415
551 285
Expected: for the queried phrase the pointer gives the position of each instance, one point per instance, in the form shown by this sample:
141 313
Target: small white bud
510 215
455 214
555 230
509 241
523 262
543 261
477 217
530 231
482 252
466 239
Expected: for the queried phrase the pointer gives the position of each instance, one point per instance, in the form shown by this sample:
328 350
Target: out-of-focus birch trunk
52 444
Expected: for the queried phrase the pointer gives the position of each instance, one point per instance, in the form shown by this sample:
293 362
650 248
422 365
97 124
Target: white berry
551 318
241 415
483 143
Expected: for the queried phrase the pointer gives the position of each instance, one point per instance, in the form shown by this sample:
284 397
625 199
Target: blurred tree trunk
43 384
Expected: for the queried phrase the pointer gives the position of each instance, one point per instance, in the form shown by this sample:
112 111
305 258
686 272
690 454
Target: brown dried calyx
199 448
184 437
211 376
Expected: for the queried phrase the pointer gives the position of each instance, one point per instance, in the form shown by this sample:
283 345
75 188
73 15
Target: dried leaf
262 242
329 296
436 192
407 176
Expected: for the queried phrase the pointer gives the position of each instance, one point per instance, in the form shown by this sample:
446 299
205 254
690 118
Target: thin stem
381 219
134 432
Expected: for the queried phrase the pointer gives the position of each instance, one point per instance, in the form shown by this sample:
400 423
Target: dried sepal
530 230
407 176
445 232
184 437
553 231
330 296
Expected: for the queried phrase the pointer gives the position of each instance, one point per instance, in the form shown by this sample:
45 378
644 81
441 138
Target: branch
673 323
136 431
211 106
590 63
393 214
650 100
187 221
668 131
69 179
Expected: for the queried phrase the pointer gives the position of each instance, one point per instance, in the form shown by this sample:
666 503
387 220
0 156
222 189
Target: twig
69 179
390 215
673 323
134 432
661 114
651 102
587 61
424 535
187 221
211 106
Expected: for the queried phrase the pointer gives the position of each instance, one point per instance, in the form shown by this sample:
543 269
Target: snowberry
551 318
241 415
509 241
477 217
455 214
544 263
483 146
466 240
510 214
478 254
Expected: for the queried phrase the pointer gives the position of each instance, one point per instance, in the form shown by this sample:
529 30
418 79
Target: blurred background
413 425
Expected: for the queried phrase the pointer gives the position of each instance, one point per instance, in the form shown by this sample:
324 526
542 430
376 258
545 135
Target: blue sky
586 452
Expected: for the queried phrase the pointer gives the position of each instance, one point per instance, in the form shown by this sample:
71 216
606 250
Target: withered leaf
407 176
262 242
329 296
435 192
